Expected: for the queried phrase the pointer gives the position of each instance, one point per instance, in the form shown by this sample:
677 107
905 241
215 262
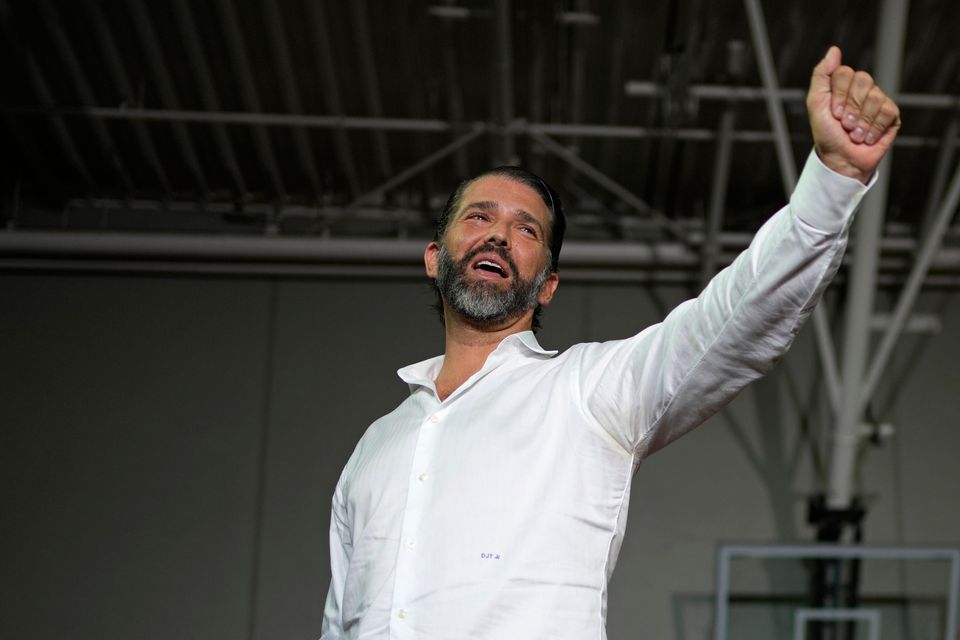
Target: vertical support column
718 194
891 34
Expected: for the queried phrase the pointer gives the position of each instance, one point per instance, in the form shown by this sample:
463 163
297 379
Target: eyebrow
522 214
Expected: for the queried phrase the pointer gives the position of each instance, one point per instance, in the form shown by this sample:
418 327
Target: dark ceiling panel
211 103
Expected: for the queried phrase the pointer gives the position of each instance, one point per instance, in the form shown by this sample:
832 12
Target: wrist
841 165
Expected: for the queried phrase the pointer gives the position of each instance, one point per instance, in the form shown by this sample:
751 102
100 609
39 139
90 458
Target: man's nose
499 236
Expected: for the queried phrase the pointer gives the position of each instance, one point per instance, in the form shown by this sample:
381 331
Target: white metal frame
728 553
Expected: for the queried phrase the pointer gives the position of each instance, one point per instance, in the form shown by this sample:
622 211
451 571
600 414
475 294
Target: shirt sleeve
650 389
341 547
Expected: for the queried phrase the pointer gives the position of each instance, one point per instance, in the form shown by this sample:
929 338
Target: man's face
493 263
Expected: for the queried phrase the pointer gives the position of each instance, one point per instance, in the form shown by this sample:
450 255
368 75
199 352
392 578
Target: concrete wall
169 446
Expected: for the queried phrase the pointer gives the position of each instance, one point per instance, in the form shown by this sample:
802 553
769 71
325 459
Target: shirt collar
425 372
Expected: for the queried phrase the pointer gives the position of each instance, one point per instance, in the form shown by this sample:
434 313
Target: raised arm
650 389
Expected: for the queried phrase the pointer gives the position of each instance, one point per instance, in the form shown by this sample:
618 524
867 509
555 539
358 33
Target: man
492 502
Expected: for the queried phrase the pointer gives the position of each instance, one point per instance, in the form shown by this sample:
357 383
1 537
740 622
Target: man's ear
431 256
548 289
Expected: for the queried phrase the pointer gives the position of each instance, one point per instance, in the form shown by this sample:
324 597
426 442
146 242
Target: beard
483 302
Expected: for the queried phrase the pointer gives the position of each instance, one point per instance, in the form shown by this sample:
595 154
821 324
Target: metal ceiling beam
118 77
454 92
619 24
290 91
46 98
718 193
243 73
331 93
647 89
608 183
148 246
165 88
577 71
940 174
371 83
207 248
208 91
420 166
899 249
70 60
778 119
891 33
420 124
630 275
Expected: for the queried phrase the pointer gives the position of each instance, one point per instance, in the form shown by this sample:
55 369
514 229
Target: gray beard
483 302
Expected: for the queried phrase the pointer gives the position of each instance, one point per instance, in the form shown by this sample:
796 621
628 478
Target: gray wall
169 446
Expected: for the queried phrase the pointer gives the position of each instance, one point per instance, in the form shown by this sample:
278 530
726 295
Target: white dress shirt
499 512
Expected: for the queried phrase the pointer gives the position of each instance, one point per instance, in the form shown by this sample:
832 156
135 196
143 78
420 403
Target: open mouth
490 267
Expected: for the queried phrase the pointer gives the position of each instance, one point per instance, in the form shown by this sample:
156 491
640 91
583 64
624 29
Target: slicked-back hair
550 198
558 222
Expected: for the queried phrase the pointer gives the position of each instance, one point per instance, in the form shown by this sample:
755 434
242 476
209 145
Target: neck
468 344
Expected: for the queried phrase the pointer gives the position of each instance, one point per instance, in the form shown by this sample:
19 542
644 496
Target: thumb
820 81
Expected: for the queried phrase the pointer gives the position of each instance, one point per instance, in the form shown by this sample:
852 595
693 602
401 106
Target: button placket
418 493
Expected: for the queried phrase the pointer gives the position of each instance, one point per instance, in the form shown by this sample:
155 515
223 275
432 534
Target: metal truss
678 253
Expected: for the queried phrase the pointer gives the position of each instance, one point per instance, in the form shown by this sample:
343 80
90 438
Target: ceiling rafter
118 76
277 38
208 92
371 81
82 86
249 95
454 92
167 91
578 76
331 92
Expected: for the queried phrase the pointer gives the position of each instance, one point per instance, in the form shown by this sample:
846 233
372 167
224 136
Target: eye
476 215
528 230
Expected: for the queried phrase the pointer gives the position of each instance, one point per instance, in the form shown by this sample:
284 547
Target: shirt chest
512 444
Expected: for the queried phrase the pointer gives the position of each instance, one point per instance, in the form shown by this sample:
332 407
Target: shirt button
402 614
423 477
411 544
434 418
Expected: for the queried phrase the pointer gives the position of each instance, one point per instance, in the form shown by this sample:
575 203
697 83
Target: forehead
508 194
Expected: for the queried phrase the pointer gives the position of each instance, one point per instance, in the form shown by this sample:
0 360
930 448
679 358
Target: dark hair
558 222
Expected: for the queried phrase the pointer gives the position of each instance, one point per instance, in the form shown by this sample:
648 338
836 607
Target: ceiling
303 118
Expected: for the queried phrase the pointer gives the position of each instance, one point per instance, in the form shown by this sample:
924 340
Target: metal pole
821 332
411 124
890 39
940 175
718 194
608 183
646 89
420 165
931 243
778 120
788 172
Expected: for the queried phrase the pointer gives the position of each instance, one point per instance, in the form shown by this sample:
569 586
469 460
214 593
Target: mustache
491 248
